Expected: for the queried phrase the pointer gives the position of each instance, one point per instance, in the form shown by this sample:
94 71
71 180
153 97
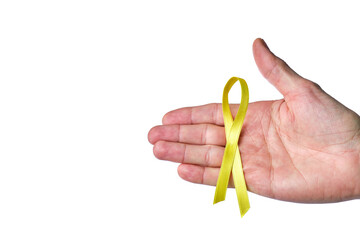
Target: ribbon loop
231 160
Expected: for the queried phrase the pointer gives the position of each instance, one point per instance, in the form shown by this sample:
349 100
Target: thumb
275 70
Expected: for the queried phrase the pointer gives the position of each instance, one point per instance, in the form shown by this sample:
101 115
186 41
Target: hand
302 148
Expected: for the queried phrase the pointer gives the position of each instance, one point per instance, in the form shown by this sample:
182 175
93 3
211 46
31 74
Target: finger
275 70
192 134
209 113
204 155
200 174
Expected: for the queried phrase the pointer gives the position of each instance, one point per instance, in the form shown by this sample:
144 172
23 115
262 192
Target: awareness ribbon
231 160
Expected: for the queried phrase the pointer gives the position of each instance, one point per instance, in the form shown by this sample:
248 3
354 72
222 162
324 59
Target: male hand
302 148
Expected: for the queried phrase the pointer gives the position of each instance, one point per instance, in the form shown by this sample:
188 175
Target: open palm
303 148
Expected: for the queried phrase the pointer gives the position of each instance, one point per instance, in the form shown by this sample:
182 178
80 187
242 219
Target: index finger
209 113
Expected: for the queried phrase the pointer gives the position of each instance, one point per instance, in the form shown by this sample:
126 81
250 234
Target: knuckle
208 156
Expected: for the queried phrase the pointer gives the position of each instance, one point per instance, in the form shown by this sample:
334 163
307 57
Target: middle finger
204 155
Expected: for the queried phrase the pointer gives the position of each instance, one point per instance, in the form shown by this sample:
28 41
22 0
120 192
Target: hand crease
217 110
208 156
203 175
191 115
271 163
290 158
179 133
185 153
204 134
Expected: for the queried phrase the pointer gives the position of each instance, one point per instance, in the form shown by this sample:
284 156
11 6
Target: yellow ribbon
231 159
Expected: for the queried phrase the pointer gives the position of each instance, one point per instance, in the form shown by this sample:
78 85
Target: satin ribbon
231 160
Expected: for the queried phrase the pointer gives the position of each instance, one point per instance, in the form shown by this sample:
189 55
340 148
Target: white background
82 82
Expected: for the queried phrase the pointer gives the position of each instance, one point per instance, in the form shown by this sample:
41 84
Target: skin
302 148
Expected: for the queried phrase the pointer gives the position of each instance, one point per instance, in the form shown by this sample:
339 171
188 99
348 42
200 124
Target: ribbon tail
224 175
240 184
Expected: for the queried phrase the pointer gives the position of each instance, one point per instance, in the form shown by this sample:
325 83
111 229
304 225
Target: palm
302 148
298 150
